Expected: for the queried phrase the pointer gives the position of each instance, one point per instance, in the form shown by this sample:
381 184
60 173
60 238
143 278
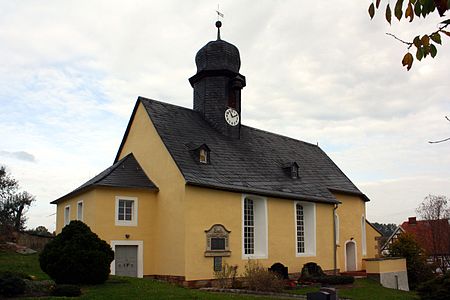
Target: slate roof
252 164
125 173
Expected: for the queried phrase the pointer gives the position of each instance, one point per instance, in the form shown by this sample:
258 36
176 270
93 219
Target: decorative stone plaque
217 263
217 241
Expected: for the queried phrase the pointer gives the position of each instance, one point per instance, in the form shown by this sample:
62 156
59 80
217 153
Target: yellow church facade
189 191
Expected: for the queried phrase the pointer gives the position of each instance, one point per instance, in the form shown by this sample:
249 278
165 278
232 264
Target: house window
80 210
363 235
66 215
300 228
126 211
249 227
203 156
254 227
305 228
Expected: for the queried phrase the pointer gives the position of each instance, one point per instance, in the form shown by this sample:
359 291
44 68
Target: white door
126 260
350 256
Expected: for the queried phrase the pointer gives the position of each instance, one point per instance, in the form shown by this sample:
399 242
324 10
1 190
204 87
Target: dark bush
417 267
66 290
11 284
77 256
435 289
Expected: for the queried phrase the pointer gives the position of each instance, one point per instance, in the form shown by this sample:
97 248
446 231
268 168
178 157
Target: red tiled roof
433 235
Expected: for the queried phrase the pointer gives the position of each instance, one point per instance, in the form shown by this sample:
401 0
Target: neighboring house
191 189
432 235
392 238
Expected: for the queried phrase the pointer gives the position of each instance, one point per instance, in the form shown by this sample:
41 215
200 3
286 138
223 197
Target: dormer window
294 171
291 170
203 155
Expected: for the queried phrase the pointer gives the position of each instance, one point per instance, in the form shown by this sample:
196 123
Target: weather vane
219 14
218 23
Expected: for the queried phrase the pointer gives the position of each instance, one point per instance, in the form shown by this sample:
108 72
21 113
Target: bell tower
218 84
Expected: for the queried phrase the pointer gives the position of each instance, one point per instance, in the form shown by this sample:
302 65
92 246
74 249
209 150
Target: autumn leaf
446 32
371 10
417 9
433 51
417 42
442 6
378 3
407 61
425 40
398 9
388 13
409 12
436 37
419 54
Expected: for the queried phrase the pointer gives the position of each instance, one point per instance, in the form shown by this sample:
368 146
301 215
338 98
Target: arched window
363 236
336 227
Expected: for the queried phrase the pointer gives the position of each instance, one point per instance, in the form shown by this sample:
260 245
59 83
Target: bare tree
435 210
443 140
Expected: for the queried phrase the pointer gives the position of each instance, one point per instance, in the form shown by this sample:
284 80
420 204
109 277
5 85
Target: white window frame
309 215
336 227
261 249
66 215
80 213
140 255
134 216
363 236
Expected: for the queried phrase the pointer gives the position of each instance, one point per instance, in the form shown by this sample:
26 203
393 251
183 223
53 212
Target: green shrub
11 284
416 259
77 256
260 279
435 289
66 290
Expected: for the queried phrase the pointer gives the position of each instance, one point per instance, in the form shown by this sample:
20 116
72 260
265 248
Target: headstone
280 269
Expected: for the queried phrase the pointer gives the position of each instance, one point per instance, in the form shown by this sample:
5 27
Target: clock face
232 117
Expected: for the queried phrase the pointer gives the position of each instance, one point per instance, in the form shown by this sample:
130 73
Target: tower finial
218 23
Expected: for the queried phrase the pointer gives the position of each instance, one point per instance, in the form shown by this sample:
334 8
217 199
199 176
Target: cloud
316 71
20 155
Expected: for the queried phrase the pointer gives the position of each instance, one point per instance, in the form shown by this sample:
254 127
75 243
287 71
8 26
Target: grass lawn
28 264
135 288
115 287
366 289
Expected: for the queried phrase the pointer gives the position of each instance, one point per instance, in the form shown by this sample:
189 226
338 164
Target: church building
191 189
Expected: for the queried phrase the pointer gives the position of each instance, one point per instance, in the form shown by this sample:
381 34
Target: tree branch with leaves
425 44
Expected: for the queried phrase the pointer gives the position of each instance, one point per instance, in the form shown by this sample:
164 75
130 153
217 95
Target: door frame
140 255
356 254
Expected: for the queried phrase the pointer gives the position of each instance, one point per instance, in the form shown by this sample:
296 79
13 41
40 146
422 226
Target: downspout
334 240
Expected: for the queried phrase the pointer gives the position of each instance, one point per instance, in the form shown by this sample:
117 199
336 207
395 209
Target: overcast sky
318 71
